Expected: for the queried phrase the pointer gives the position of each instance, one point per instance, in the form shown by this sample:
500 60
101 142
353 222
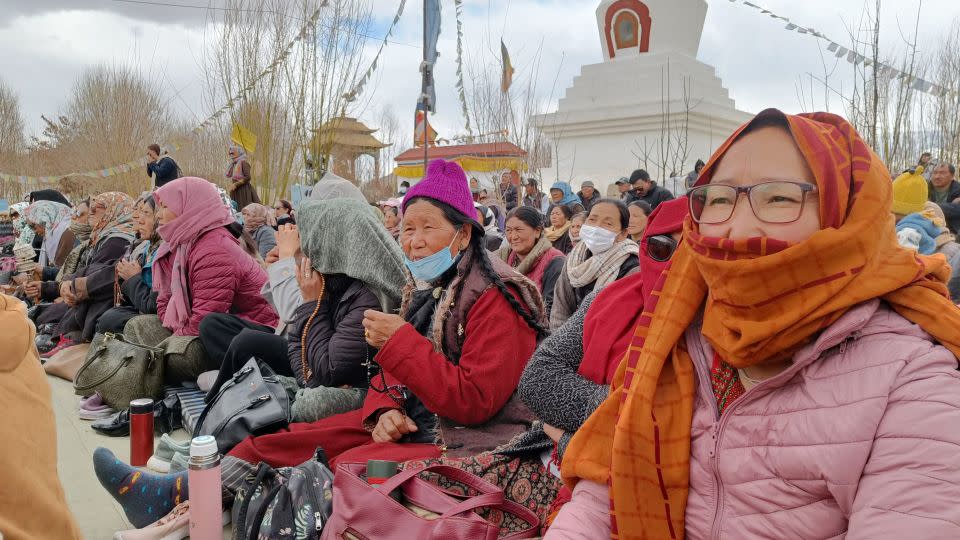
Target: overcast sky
47 43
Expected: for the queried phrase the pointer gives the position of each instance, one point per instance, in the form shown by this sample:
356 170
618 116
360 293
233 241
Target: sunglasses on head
661 247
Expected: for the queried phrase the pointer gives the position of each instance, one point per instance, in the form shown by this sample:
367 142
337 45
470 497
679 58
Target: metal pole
427 72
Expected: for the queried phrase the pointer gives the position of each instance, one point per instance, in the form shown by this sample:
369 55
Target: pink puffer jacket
222 278
859 438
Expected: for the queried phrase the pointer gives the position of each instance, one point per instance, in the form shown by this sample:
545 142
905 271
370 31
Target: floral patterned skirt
524 481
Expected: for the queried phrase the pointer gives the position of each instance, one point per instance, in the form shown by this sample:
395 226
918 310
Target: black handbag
252 402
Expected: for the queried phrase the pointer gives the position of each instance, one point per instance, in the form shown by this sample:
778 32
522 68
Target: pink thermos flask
203 479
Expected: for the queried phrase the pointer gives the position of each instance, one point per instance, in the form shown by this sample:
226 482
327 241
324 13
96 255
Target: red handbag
365 512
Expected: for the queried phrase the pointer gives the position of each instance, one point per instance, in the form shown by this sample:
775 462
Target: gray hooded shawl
344 236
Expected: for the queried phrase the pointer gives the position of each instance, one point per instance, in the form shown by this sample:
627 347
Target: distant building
648 80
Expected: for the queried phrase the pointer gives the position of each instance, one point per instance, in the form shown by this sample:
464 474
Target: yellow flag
243 137
506 78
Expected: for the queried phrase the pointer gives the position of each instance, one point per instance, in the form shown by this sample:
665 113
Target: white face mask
597 239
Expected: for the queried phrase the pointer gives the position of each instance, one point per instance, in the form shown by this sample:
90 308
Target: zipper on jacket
720 420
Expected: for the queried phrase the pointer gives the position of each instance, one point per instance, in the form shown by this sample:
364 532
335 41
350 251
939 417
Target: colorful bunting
853 57
357 89
142 162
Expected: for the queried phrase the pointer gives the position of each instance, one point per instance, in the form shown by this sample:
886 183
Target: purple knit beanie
445 182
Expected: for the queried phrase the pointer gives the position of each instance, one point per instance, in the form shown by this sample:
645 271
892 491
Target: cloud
132 9
48 43
44 55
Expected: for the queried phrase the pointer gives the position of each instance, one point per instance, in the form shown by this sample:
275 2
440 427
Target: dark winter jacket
165 168
136 292
553 389
266 239
589 202
509 195
951 210
655 196
93 285
336 348
564 244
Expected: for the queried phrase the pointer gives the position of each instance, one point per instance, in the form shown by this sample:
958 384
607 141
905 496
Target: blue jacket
928 232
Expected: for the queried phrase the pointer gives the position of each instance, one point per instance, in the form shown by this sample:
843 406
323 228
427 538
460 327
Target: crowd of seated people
769 354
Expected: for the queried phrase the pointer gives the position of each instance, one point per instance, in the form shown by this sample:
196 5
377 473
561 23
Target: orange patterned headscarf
762 299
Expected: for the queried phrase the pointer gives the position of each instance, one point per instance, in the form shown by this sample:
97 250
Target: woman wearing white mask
604 255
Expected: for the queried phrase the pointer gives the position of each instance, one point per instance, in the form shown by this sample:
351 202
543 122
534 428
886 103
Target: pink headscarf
257 215
199 209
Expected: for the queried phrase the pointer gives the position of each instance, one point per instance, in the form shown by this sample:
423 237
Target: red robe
497 347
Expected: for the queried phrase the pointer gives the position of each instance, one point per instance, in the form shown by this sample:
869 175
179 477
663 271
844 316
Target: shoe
173 526
115 425
96 414
118 424
61 345
179 463
207 379
165 452
92 402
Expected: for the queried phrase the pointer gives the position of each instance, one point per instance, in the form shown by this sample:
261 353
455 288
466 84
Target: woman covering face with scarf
134 293
51 220
259 221
90 290
23 231
794 370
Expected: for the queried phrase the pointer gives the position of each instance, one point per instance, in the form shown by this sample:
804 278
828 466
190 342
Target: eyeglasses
661 247
771 202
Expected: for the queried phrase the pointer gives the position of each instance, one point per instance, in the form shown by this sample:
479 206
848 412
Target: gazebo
341 141
483 161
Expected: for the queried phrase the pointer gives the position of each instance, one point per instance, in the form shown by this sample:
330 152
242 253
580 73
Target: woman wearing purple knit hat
443 380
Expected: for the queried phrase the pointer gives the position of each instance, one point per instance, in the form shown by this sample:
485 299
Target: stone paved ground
97 514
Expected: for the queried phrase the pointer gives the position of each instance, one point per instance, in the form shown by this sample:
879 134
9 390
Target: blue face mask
433 266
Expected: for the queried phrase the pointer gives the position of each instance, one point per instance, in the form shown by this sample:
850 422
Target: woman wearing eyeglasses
793 372
569 375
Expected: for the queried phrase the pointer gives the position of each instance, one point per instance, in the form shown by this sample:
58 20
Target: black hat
639 174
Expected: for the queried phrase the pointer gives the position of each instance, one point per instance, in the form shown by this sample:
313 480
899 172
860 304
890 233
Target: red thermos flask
141 431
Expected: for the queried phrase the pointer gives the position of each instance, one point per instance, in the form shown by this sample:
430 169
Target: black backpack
290 502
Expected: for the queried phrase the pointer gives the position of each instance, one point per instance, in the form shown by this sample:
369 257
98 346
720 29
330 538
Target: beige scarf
542 246
601 269
554 233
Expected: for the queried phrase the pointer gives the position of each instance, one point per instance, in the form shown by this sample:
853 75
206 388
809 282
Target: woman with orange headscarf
794 374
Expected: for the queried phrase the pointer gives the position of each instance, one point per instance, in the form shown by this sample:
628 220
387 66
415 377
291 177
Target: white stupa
648 96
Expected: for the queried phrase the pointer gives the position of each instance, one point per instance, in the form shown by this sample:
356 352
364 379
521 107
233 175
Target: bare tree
288 105
11 125
885 107
945 112
397 140
666 156
112 114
